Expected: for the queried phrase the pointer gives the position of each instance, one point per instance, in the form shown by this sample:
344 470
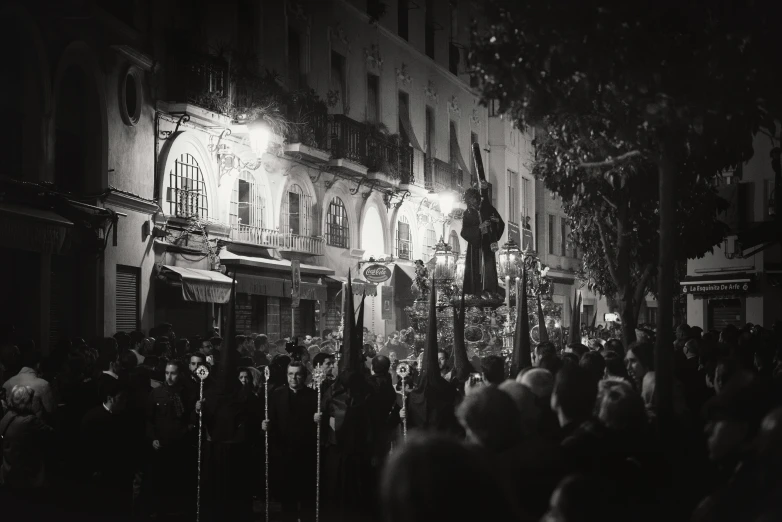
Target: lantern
509 261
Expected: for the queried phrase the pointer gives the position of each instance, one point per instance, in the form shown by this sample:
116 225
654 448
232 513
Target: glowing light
446 202
260 135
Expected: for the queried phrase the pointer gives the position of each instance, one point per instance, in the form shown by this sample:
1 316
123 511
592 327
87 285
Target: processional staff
267 375
403 371
317 378
202 373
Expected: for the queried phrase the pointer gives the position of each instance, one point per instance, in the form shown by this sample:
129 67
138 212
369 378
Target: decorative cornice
475 117
402 76
431 92
372 56
453 106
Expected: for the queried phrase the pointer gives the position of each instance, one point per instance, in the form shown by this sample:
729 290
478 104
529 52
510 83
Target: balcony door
248 207
297 212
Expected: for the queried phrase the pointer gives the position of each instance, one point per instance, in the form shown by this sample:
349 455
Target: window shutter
127 298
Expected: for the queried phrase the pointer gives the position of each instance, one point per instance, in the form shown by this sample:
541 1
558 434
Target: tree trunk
629 319
663 360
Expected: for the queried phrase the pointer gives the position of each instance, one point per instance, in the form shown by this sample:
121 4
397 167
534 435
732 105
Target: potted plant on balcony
308 115
382 154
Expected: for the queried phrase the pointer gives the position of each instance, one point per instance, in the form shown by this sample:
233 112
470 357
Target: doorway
722 312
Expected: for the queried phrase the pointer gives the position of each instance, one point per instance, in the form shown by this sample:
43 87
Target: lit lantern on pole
509 263
444 266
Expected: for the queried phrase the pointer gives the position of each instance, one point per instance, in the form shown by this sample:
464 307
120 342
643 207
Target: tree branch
611 161
607 250
611 203
640 289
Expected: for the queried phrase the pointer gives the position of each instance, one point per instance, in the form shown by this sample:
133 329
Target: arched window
297 212
429 241
456 247
186 194
248 208
404 243
337 230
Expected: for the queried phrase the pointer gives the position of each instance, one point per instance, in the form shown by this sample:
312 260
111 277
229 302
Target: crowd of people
110 430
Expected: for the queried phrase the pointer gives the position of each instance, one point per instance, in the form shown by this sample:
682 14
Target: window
403 110
552 232
587 315
402 18
186 194
651 315
297 208
563 250
456 247
429 136
127 299
429 35
248 206
294 60
403 242
373 98
427 247
513 196
337 231
337 79
527 198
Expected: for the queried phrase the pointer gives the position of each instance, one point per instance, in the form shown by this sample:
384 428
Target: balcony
447 177
270 238
199 80
359 150
308 136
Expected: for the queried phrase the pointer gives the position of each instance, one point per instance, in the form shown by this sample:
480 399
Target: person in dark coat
480 265
292 433
108 462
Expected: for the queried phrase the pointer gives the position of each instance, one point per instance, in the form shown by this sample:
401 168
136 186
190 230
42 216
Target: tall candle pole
202 373
318 375
403 371
267 375
507 305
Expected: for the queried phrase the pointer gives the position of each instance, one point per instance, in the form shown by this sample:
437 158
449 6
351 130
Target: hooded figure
575 320
232 419
522 346
461 362
431 404
346 428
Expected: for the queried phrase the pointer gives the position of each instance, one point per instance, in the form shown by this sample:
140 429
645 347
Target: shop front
715 301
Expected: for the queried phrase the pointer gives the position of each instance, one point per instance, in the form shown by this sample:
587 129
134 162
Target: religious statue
482 226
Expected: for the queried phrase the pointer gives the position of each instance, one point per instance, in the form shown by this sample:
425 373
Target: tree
613 211
683 84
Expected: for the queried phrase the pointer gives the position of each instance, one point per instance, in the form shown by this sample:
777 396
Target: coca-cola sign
377 273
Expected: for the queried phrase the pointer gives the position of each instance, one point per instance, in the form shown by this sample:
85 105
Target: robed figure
481 226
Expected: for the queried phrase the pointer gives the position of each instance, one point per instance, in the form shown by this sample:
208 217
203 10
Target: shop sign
717 288
377 273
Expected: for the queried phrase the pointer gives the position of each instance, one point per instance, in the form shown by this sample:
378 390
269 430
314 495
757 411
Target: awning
456 152
402 281
200 286
404 120
736 283
359 285
34 229
235 260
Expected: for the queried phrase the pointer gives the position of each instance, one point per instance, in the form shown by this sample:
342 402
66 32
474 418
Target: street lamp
446 202
509 261
260 135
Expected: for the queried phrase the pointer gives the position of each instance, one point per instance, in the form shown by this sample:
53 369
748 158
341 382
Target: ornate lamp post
444 269
509 266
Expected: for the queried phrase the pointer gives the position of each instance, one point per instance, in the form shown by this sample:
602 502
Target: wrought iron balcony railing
275 239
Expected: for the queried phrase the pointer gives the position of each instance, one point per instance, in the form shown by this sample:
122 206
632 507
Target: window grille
187 190
404 247
248 204
297 212
337 230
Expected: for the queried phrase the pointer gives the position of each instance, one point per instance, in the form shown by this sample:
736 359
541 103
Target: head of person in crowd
261 343
683 333
20 400
442 359
493 369
729 371
578 349
539 381
113 395
595 345
696 332
418 481
733 419
573 398
162 347
281 346
123 341
639 361
182 348
691 350
595 364
730 336
137 341
550 362
380 340
569 358
614 345
526 403
541 350
328 334
207 348
297 375
173 374
326 362
217 342
245 378
196 359
620 407
581 498
368 351
614 366
490 419
381 366
127 362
